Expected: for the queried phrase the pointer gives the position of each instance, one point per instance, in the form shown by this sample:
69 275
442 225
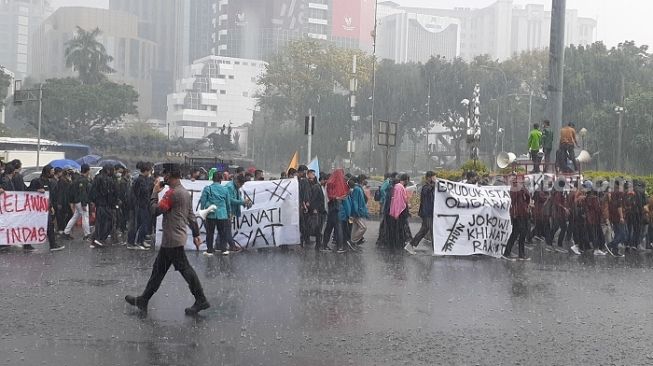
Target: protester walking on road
176 208
79 201
427 196
42 184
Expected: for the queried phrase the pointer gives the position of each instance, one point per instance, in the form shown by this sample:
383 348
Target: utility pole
556 66
38 141
621 110
353 87
369 160
309 130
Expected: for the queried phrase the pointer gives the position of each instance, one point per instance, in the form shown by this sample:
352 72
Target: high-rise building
502 29
18 20
410 37
202 30
216 91
10 90
133 56
256 29
166 23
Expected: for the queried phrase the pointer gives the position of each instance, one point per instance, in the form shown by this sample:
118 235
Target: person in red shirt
541 223
617 218
520 200
593 218
559 215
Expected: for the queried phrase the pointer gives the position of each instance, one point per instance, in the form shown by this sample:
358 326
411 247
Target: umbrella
89 159
65 164
111 162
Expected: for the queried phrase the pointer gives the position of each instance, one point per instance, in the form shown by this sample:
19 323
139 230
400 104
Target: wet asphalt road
306 308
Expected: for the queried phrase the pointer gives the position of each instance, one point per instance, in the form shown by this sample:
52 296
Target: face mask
118 175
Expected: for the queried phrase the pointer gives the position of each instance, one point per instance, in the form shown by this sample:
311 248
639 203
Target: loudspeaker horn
504 159
584 157
204 213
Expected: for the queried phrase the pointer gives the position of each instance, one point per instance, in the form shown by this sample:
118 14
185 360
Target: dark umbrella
112 163
89 159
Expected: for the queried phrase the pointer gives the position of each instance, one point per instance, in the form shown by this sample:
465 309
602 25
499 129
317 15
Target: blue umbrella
65 164
89 159
111 162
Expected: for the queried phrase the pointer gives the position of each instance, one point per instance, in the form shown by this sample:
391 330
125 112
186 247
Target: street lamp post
620 112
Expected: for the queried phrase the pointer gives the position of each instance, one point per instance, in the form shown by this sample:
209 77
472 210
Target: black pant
568 153
536 161
176 257
103 222
223 233
547 160
596 236
63 214
52 238
333 224
519 231
557 224
634 229
426 228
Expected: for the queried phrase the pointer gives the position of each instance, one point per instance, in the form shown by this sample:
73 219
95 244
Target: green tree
88 56
73 111
5 83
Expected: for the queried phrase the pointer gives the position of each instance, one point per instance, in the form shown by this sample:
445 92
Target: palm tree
88 57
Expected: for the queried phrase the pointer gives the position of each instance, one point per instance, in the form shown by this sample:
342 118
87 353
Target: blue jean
620 235
142 226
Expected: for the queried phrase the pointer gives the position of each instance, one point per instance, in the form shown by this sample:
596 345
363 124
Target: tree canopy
314 75
86 55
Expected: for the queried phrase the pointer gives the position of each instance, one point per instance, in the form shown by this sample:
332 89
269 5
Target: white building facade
502 29
217 91
411 37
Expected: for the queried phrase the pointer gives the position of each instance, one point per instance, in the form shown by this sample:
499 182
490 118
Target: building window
221 77
245 94
236 62
223 92
231 77
214 124
193 100
201 85
214 108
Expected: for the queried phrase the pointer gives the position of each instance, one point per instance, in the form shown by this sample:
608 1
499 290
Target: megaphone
584 157
504 159
204 213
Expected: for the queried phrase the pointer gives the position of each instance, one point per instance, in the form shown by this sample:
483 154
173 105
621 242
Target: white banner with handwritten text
470 219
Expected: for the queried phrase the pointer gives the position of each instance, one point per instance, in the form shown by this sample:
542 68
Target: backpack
377 195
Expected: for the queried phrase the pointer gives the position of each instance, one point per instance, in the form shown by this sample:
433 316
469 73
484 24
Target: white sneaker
599 252
208 254
226 252
409 248
574 249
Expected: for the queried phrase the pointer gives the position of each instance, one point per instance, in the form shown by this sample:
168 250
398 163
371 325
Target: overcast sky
617 20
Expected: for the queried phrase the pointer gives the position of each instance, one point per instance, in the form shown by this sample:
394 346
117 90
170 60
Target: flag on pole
315 165
294 161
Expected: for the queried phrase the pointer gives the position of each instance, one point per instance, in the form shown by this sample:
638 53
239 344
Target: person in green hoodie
236 202
217 195
534 146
